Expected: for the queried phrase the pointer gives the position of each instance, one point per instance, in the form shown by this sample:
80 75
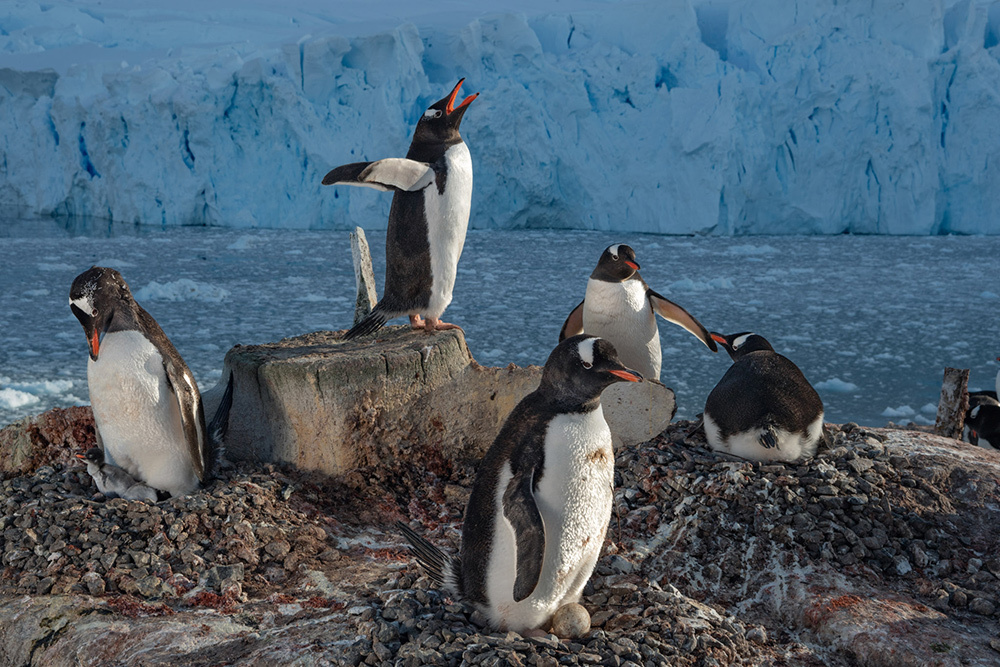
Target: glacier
725 117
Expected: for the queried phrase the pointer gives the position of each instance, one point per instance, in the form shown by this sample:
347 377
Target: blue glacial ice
666 116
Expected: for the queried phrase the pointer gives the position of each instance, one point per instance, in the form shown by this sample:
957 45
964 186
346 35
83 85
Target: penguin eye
432 113
614 257
588 365
93 313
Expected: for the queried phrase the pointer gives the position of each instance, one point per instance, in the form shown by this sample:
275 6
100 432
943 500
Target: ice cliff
672 116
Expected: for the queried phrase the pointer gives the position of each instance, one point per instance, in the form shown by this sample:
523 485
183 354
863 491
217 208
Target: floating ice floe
183 289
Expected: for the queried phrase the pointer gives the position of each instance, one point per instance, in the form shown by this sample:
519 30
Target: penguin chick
147 408
112 481
428 219
763 408
621 308
541 502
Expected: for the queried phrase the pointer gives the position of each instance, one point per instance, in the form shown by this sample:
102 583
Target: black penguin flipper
394 173
573 324
529 533
347 173
438 566
671 312
218 428
181 383
374 321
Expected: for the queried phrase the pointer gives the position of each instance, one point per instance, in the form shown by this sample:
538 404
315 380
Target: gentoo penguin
428 218
982 420
763 408
112 481
620 307
146 404
541 502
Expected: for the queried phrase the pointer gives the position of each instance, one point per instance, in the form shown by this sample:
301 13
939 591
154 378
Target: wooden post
954 403
364 275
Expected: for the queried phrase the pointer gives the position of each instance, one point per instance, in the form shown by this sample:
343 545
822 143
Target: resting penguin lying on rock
146 405
982 420
541 502
114 482
763 408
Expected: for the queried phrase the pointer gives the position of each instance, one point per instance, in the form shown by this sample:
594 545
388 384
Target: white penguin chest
134 409
575 492
447 222
621 314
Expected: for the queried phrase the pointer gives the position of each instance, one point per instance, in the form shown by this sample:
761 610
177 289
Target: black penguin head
94 455
983 420
583 366
95 295
742 343
440 122
617 264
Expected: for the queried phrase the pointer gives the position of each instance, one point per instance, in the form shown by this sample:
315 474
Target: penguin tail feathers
374 321
768 438
218 428
441 568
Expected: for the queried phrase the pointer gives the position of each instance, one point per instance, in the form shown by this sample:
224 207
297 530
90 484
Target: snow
840 307
673 116
12 399
901 411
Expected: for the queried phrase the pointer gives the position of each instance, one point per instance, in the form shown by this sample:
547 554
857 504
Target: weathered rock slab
325 404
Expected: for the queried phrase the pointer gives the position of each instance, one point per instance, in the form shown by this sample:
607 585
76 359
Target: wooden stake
364 275
954 403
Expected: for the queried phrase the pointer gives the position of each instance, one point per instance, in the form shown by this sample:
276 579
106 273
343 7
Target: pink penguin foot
416 322
434 324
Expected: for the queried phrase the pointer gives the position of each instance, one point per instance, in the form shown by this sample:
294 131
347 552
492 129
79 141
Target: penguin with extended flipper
763 408
541 502
620 307
146 404
428 218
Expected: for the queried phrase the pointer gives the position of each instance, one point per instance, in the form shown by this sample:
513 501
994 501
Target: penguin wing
520 509
573 324
394 173
188 399
671 312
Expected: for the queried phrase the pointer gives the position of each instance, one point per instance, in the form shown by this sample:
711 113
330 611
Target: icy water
871 321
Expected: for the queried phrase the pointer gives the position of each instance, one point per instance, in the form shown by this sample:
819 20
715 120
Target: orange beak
95 344
80 456
632 265
627 375
450 106
718 339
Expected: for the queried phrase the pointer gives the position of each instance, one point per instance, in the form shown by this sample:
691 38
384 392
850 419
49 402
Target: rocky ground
881 551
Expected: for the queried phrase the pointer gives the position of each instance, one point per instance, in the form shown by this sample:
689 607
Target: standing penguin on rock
541 502
620 307
147 407
763 408
428 218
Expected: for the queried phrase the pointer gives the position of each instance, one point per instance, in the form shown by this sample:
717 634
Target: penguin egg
571 621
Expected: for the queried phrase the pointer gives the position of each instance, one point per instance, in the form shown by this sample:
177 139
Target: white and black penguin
428 219
982 420
112 481
147 407
620 307
763 408
540 506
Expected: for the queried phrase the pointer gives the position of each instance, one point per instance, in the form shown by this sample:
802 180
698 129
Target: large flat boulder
329 405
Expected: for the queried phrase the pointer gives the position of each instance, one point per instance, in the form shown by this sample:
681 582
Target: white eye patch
974 413
738 343
84 304
585 348
432 113
614 251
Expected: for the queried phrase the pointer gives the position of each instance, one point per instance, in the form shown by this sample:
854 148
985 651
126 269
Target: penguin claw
416 322
432 324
